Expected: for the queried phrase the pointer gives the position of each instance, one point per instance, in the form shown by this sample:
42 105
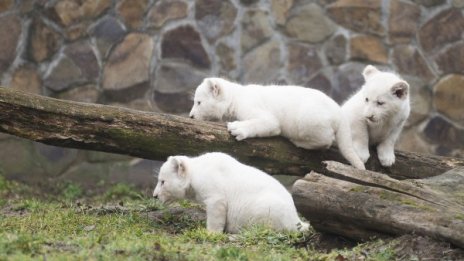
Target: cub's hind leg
319 138
216 213
310 145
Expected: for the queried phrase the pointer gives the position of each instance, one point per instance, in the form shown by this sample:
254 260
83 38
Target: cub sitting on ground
235 195
377 113
307 117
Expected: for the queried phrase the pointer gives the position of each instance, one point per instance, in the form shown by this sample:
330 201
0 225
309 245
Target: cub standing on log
377 113
307 117
235 195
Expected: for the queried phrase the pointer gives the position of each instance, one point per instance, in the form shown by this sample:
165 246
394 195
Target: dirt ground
177 219
406 247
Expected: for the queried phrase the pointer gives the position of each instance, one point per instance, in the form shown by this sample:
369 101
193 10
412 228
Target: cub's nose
192 117
155 196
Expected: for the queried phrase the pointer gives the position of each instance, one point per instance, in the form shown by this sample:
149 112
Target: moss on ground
122 224
459 217
358 189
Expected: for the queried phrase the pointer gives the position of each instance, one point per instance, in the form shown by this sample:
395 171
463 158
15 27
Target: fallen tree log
354 203
364 204
156 136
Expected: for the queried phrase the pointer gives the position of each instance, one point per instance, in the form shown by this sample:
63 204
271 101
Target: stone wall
150 55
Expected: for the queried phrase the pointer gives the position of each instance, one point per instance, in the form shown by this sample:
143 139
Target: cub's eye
198 102
162 182
380 103
367 99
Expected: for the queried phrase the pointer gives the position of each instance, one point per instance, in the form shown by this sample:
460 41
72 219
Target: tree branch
156 136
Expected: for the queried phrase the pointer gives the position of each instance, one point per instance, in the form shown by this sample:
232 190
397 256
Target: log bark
156 136
365 204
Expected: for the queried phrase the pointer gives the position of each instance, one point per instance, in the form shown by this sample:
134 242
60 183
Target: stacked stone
150 55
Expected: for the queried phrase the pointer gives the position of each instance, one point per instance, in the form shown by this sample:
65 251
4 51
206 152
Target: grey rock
309 24
63 75
129 63
448 97
403 21
174 85
335 49
82 55
166 10
215 18
447 26
54 159
420 100
26 78
442 132
349 79
174 77
255 29
359 16
43 41
262 64
410 62
10 31
430 3
322 83
451 60
184 42
303 62
86 93
107 32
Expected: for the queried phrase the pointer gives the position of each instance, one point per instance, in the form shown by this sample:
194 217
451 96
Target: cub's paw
237 129
364 156
387 159
363 153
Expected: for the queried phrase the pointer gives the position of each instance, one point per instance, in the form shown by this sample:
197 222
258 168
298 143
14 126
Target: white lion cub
235 195
377 113
307 117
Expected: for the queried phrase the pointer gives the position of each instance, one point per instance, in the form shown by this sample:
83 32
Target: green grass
119 225
4 188
358 189
459 195
72 191
122 191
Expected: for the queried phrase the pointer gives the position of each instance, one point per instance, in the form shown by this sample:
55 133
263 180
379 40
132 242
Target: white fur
307 117
235 195
379 119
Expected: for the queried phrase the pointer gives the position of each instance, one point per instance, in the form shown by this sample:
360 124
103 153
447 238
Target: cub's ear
400 89
179 164
214 88
369 71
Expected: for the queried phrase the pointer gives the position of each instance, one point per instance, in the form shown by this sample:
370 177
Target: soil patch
414 247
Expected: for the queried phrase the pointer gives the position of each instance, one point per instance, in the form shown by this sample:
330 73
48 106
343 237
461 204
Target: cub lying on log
235 195
307 117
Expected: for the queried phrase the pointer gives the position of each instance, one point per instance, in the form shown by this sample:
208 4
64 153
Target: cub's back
286 97
227 171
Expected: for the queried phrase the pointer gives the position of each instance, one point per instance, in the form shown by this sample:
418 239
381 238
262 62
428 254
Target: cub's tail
345 144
